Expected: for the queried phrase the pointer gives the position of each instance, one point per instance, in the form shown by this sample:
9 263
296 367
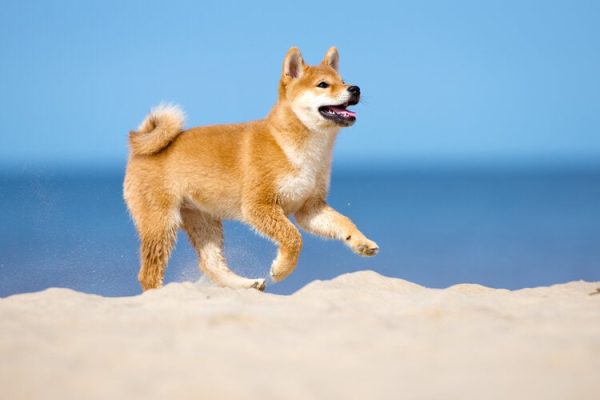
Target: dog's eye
323 85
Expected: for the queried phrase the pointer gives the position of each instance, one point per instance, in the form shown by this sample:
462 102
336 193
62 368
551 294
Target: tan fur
257 172
158 129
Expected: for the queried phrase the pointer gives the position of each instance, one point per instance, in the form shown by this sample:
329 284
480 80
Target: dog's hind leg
157 241
206 235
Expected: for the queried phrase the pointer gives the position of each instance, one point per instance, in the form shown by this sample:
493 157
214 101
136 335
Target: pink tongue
343 112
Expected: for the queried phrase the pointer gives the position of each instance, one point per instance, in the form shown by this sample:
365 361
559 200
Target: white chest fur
311 164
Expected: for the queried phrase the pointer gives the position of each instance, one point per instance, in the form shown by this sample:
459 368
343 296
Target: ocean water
505 229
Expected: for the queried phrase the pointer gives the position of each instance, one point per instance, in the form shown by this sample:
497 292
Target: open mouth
338 114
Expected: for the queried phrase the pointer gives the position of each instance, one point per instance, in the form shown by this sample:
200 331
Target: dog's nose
354 89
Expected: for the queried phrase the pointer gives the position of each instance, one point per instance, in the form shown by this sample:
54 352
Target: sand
359 336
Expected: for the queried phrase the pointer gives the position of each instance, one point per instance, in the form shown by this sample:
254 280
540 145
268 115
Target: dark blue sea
500 228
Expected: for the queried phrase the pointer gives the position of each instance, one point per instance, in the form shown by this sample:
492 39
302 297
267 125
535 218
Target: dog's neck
300 144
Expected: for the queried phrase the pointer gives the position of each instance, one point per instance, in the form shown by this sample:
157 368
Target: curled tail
158 130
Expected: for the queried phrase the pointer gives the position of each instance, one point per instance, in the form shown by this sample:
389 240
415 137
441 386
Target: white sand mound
359 336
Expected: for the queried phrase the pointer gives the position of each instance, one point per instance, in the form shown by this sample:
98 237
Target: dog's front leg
270 220
318 218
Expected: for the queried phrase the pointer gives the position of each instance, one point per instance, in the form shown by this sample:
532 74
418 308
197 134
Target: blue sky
443 81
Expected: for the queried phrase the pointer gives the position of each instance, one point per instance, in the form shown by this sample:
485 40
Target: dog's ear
332 58
293 65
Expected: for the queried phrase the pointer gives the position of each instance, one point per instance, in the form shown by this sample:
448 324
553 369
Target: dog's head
317 94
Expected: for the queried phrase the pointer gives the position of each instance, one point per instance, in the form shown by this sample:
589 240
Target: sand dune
359 336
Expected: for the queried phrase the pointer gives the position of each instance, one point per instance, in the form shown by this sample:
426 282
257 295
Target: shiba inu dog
258 172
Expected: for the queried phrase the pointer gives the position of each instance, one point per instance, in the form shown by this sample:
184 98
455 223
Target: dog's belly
223 206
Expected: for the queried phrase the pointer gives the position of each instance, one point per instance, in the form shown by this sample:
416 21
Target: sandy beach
358 336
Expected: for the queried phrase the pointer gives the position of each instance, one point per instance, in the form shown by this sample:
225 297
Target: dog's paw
282 267
259 284
364 247
148 283
277 275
